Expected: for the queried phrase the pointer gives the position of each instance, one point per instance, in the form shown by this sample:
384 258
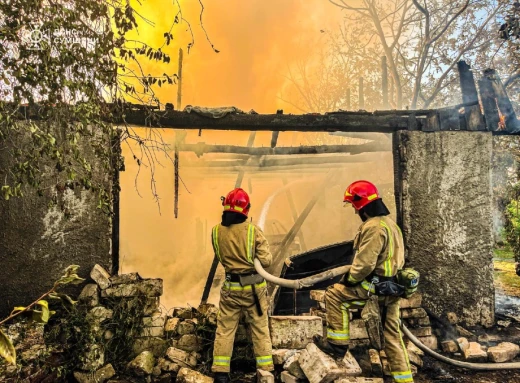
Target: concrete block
318 295
463 344
263 376
375 362
151 305
474 353
186 375
171 325
292 366
281 355
450 346
190 342
183 312
318 366
413 313
294 331
100 276
143 364
413 348
285 377
100 376
429 341
386 367
415 301
317 312
452 318
421 331
415 359
124 279
504 352
349 366
158 319
157 346
358 329
89 296
186 327
465 333
359 379
146 287
187 359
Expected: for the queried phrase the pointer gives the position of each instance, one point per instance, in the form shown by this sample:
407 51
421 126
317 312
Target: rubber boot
331 349
221 377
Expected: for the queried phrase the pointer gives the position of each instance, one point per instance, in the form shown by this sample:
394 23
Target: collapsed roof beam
202 148
330 122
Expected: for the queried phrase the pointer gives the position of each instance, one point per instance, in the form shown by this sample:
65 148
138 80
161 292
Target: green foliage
42 314
513 227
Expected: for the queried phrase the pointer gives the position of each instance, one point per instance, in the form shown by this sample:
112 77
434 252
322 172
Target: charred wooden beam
202 148
331 122
503 101
489 104
474 118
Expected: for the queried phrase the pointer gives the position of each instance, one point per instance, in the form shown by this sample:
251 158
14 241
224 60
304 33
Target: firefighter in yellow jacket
236 244
379 254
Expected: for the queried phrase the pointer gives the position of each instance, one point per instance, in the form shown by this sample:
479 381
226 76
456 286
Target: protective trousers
339 298
234 300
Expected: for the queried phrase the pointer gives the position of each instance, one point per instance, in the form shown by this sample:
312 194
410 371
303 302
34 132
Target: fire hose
312 280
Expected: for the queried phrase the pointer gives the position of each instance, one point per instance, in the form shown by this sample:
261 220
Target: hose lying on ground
312 280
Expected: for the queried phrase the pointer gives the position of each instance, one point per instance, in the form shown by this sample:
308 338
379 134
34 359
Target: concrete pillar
443 191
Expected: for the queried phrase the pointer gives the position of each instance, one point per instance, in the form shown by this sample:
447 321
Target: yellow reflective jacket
378 246
236 247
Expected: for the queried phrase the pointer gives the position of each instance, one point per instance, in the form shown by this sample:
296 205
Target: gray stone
152 332
124 279
375 362
452 318
263 376
146 287
99 314
168 366
318 366
474 353
504 352
450 346
281 355
89 296
186 375
318 295
415 359
294 331
418 322
158 319
157 346
190 342
186 359
100 376
151 305
93 358
143 364
186 327
447 219
285 377
183 312
293 366
156 372
463 344
100 276
413 348
171 325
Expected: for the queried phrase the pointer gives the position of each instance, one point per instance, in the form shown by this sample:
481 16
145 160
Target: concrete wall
40 236
445 194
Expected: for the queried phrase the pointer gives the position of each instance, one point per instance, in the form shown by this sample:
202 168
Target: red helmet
237 200
360 194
